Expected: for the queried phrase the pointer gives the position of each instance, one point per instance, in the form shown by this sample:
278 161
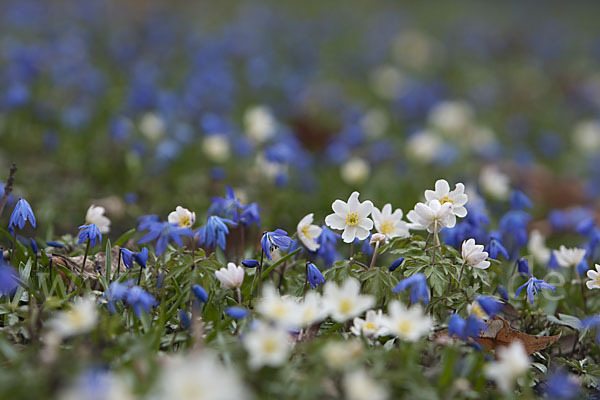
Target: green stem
375 250
87 250
462 269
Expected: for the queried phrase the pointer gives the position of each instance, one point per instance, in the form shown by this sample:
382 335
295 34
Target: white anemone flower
594 283
183 217
352 217
537 247
267 345
473 254
410 324
371 326
231 277
569 257
310 310
81 317
260 123
95 215
308 233
512 363
494 183
457 197
216 147
345 302
432 216
197 377
283 310
358 385
355 171
388 223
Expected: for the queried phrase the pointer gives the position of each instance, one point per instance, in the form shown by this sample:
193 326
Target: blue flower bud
200 293
250 263
315 277
502 292
184 319
523 267
396 264
236 312
34 246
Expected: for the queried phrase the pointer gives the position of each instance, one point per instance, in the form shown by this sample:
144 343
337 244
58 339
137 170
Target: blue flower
519 201
139 300
9 279
327 245
562 385
200 293
250 263
163 232
418 288
523 267
236 312
21 214
127 256
273 240
141 257
116 291
398 262
226 207
585 226
490 305
55 244
495 249
184 319
502 292
315 277
214 233
534 285
471 328
90 233
250 215
553 261
145 222
34 246
582 267
457 326
474 327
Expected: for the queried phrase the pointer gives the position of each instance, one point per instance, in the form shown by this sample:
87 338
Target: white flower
474 255
432 216
199 376
183 217
267 345
410 324
344 302
586 136
281 309
307 232
231 277
388 223
260 123
424 146
457 197
310 310
216 147
152 126
569 257
371 326
95 215
81 317
512 363
537 247
352 217
340 354
595 278
97 385
374 123
452 117
355 171
494 183
360 386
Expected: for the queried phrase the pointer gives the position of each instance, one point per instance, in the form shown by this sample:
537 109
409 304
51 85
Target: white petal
334 221
349 234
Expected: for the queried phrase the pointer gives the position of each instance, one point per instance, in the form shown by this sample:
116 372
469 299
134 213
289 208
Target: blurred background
140 106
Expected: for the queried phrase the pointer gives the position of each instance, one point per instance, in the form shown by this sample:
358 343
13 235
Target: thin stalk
375 250
140 276
119 262
585 311
238 293
87 250
351 250
462 269
260 268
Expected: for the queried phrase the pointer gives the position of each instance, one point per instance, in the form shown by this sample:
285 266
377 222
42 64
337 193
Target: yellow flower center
405 326
279 311
345 306
305 231
269 345
387 227
446 199
478 311
352 219
185 221
369 326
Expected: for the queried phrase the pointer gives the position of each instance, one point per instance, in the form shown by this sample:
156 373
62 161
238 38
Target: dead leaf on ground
94 267
499 333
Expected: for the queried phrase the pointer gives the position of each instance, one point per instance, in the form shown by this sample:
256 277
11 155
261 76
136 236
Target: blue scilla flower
273 240
519 200
236 312
184 319
534 285
226 207
327 246
214 233
146 221
502 292
141 257
314 276
474 326
163 232
585 226
418 288
398 262
250 263
58 245
250 215
457 326
9 279
200 293
21 214
523 267
139 300
89 233
465 329
496 249
116 291
127 256
592 322
489 305
562 385
34 246
582 267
